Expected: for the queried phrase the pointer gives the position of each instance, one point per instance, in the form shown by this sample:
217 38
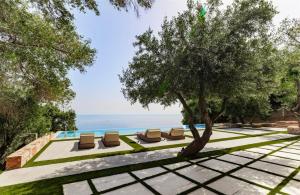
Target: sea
93 122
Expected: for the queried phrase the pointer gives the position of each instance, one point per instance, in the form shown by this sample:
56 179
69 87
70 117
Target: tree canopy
227 54
39 45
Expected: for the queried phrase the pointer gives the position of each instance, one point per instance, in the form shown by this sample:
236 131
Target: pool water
122 131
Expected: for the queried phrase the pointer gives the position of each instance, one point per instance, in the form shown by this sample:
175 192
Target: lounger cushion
176 132
86 138
111 136
153 133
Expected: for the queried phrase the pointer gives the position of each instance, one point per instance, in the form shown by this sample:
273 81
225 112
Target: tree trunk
199 142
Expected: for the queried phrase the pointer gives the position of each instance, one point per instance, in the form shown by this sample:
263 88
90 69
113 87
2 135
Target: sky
98 91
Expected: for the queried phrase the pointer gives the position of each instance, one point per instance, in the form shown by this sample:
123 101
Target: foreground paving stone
137 189
218 134
287 155
248 154
292 188
297 176
295 151
197 173
77 188
280 144
246 131
105 183
235 159
281 170
258 177
177 165
202 191
198 159
294 147
282 161
270 147
230 186
170 183
148 172
259 150
219 165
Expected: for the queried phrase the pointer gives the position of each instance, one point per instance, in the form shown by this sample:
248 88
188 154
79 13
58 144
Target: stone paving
70 149
217 134
241 172
36 173
163 142
247 131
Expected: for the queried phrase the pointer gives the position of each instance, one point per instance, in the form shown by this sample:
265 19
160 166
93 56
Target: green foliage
245 109
289 91
60 120
39 45
229 54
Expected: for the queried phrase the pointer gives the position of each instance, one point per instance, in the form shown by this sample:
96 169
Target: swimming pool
122 131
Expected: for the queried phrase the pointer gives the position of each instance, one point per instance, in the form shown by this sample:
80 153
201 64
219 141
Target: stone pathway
29 174
227 174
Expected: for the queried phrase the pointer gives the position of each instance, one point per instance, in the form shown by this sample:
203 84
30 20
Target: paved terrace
259 170
29 174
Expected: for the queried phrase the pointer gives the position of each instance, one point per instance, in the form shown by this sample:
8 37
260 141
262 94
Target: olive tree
223 55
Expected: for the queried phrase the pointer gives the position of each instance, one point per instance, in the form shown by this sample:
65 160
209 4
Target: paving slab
290 150
297 176
294 147
270 147
287 155
297 144
258 177
202 191
273 128
280 144
292 188
199 159
245 141
232 186
217 134
170 184
235 159
281 170
148 172
77 188
282 161
137 189
177 165
248 154
246 131
219 165
197 173
66 149
259 150
163 142
105 183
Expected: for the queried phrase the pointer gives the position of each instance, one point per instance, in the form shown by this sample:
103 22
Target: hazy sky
98 91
